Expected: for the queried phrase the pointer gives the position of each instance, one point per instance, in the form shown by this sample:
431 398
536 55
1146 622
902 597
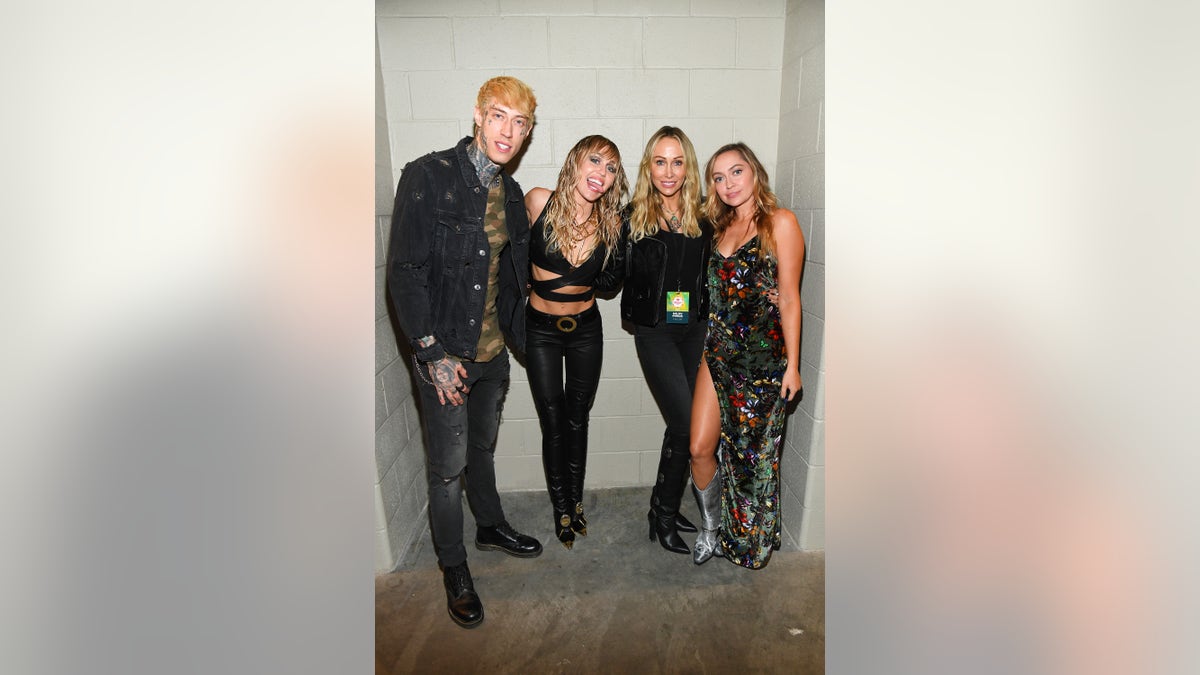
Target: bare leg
706 428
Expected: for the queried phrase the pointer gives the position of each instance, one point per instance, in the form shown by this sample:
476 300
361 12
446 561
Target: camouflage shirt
491 340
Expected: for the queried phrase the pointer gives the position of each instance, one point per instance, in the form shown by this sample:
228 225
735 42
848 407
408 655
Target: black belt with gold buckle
566 324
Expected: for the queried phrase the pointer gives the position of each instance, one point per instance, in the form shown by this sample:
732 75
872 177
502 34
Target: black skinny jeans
670 357
563 404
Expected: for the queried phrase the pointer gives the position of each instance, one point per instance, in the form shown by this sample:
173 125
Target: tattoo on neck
484 167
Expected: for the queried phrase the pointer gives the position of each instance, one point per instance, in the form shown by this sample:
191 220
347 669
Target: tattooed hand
446 375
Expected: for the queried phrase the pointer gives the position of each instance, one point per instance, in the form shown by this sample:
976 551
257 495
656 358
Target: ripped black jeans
563 400
461 442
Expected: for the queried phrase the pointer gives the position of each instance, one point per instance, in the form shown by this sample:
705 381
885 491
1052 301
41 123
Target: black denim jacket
439 254
644 266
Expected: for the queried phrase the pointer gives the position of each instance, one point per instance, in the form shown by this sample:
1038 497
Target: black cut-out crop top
584 275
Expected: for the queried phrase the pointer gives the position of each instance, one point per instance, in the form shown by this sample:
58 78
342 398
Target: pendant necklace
673 223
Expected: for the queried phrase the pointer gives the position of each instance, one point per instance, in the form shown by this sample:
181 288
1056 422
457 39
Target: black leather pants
563 358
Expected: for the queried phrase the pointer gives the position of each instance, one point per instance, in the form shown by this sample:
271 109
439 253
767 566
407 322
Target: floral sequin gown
745 354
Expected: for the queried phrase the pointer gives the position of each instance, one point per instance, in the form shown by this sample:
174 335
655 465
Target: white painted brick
613 469
381 248
644 432
610 310
816 245
798 132
648 474
812 289
812 530
380 404
412 418
799 432
385 190
634 93
398 384
544 7
789 91
381 512
531 177
389 440
762 135
414 44
805 220
390 490
788 542
690 43
385 560
380 296
816 452
759 43
447 94
812 75
625 132
620 360
706 134
510 439
411 140
436 8
814 490
649 403
595 42
410 461
814 389
821 132
396 95
639 7
730 93
618 397
385 344
740 8
810 182
518 42
561 93
520 473
518 404
812 338
805 29
383 226
782 182
791 511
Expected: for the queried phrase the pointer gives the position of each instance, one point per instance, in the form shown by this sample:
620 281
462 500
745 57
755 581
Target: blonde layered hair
765 202
560 209
647 203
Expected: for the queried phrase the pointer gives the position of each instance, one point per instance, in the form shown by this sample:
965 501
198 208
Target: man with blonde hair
458 267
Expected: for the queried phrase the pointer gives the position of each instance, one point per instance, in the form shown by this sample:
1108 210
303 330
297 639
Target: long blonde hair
560 210
647 203
765 202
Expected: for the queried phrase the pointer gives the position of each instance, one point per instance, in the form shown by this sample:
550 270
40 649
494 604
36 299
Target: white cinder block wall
400 496
800 184
621 68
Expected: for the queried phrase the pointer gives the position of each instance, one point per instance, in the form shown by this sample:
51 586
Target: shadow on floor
617 603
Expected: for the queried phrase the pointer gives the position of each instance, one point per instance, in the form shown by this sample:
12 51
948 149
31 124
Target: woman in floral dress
751 365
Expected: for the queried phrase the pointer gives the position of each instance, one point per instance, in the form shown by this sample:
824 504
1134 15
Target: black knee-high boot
556 485
667 494
576 469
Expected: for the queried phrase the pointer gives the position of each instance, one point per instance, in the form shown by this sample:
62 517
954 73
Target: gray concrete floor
616 603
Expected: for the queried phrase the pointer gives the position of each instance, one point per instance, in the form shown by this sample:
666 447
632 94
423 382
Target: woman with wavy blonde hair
575 230
666 249
751 365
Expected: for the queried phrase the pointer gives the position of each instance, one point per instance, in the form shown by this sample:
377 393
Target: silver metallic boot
709 501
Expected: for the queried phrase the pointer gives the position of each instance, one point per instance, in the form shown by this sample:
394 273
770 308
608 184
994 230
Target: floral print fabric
745 354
